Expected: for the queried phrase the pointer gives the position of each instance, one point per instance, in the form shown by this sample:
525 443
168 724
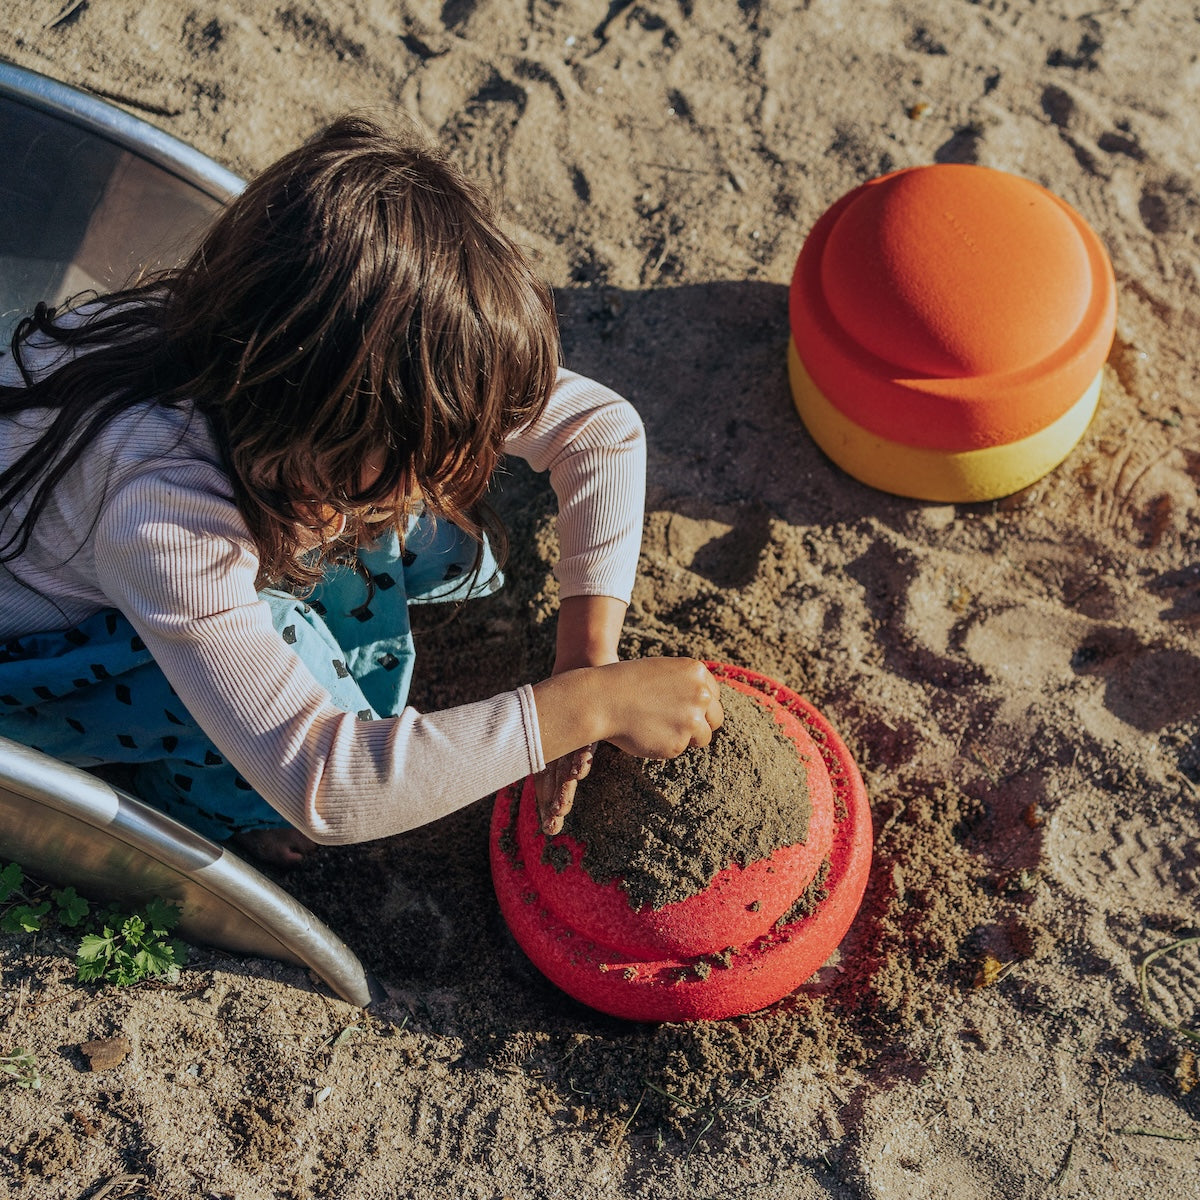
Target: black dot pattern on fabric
318 607
453 571
172 717
81 683
122 693
388 661
361 613
240 783
136 644
76 725
99 670
384 581
169 743
407 558
212 758
126 741
77 637
42 692
340 667
183 782
110 623
289 634
14 648
11 701
365 714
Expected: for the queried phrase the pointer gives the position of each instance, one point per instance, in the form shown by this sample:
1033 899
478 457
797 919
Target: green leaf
24 918
157 958
86 971
72 907
11 879
163 915
96 947
133 929
20 1067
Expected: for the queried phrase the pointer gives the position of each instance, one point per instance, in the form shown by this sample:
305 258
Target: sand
664 829
1019 681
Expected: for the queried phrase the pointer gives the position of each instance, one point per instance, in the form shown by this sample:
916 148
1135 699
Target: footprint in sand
1140 861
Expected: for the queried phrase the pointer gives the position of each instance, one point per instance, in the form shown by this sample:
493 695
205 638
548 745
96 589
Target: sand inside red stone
665 828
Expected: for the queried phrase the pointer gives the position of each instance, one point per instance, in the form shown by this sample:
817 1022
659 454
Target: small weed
20 1067
116 947
22 912
708 1113
131 948
72 908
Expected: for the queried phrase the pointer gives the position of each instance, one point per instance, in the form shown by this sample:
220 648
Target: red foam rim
705 987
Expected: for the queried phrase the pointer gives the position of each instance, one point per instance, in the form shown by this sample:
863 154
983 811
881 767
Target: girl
221 490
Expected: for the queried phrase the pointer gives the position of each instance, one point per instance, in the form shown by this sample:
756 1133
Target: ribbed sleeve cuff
533 732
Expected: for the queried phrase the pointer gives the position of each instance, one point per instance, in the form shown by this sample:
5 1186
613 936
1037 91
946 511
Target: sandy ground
1020 681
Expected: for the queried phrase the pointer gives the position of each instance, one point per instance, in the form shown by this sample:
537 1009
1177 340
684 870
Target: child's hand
589 628
663 706
556 786
648 707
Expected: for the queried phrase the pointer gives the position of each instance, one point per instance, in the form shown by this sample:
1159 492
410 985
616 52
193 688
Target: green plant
20 1067
23 913
133 947
29 907
117 946
72 908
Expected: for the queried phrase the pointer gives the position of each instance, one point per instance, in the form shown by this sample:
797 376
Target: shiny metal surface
90 197
67 826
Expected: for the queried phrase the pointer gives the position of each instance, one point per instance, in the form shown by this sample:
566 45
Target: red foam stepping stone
708 956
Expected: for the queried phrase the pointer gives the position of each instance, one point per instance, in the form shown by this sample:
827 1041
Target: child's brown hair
358 301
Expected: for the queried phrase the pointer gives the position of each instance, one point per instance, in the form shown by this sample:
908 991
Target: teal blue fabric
93 694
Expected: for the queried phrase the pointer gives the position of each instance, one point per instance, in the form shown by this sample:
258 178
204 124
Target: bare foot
281 847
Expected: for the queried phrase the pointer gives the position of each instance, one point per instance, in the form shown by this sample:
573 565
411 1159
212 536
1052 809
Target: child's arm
648 707
589 628
172 553
592 443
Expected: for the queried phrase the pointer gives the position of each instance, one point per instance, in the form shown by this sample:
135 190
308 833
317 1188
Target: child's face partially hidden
328 524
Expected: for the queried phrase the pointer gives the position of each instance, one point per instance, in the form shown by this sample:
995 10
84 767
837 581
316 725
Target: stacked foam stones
737 946
949 328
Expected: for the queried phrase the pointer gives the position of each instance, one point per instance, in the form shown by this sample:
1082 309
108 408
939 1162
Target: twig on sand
1065 1166
68 13
146 106
666 166
1139 1131
629 1119
1191 1034
109 1186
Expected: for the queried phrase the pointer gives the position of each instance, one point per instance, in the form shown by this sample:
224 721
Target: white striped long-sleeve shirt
145 522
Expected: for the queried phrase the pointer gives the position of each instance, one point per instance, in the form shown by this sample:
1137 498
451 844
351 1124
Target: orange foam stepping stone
713 954
950 309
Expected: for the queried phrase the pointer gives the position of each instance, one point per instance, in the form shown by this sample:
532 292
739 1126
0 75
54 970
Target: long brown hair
357 301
